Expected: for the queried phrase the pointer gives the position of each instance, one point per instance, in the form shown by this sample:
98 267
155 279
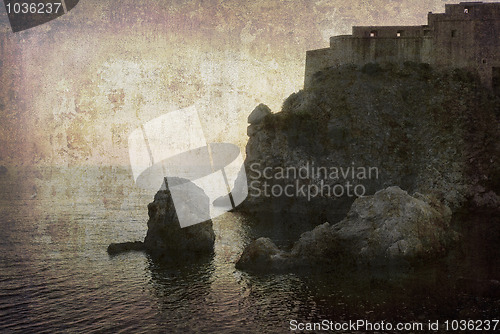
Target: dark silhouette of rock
426 130
3 170
262 255
165 239
117 248
258 114
256 119
388 228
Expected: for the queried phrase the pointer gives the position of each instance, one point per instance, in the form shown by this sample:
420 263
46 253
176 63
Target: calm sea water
55 274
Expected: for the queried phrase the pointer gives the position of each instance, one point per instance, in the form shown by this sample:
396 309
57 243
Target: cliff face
427 131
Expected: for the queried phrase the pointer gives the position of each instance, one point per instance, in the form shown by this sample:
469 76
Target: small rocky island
165 240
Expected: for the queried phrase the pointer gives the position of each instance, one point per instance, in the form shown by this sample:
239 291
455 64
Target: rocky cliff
429 137
424 130
388 228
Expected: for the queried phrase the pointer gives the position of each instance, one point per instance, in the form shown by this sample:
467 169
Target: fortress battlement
467 35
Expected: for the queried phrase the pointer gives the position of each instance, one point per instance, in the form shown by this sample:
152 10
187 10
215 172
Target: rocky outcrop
258 114
256 119
165 239
263 254
117 248
389 228
427 131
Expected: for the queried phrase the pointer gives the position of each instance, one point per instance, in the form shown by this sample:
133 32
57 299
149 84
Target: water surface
55 274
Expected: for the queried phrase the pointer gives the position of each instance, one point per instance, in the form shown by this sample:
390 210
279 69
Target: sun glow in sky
75 88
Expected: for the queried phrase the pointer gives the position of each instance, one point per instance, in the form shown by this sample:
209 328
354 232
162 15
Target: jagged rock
165 238
252 129
319 245
117 248
487 200
390 227
262 254
426 130
258 114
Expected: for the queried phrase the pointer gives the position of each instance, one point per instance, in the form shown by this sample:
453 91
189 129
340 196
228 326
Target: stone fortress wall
467 35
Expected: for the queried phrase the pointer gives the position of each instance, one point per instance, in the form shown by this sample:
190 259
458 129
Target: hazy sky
73 89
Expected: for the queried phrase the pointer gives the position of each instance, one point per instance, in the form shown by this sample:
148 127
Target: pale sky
74 89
